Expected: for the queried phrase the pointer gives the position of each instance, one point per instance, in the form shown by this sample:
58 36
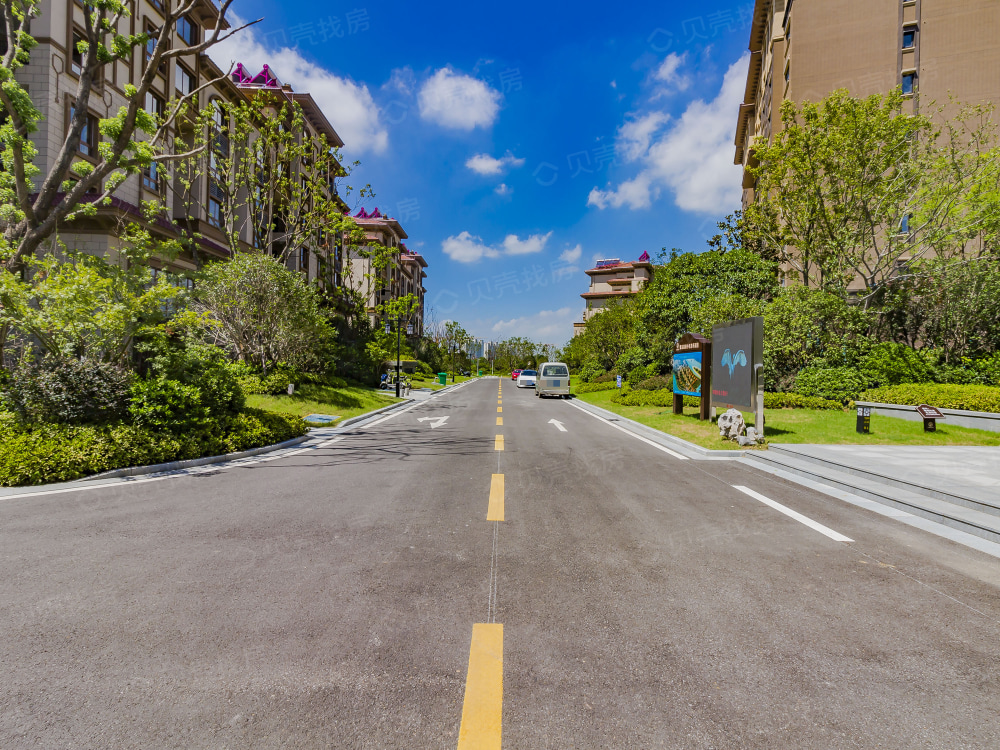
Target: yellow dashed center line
495 510
499 421
482 710
499 443
499 409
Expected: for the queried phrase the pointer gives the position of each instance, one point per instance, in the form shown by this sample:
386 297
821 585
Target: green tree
262 313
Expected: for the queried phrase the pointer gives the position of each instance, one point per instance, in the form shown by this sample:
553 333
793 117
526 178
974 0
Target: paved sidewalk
969 471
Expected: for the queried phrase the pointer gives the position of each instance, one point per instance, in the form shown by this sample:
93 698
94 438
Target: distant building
403 275
613 278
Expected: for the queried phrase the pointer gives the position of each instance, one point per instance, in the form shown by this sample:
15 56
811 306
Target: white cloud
348 106
534 243
485 164
635 135
467 248
669 76
545 325
458 101
693 158
503 189
572 255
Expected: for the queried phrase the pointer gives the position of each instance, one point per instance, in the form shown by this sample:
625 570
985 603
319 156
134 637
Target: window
151 42
904 225
151 177
909 81
158 4
909 37
304 259
184 80
88 136
788 72
154 104
215 197
76 57
187 31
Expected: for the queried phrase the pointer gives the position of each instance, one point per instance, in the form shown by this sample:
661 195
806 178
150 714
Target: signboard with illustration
738 356
687 373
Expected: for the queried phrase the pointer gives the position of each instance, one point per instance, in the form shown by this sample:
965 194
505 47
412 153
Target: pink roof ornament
644 258
265 79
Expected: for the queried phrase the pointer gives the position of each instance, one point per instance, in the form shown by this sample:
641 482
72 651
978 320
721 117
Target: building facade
52 78
402 274
802 50
613 279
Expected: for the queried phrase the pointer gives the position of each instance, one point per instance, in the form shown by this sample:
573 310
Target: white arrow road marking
435 421
558 425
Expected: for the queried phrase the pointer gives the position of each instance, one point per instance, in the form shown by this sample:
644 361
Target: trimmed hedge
944 396
594 387
60 453
798 401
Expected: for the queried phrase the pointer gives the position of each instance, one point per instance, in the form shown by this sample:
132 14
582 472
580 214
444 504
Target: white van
552 380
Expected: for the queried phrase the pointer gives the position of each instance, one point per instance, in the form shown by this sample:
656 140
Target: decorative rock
731 424
745 440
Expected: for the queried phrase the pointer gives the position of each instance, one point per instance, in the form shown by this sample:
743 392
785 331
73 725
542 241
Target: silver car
526 379
552 380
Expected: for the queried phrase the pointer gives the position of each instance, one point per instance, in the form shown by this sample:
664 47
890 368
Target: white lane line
647 441
814 525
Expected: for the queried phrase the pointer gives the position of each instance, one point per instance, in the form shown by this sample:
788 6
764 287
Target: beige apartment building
404 274
611 279
52 79
802 50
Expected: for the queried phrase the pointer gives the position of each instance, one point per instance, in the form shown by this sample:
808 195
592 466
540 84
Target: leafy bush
798 401
608 377
637 375
644 398
944 396
656 383
841 384
68 391
594 387
632 359
59 453
591 371
163 404
891 364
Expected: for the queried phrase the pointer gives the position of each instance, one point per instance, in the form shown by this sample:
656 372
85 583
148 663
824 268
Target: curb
664 438
191 463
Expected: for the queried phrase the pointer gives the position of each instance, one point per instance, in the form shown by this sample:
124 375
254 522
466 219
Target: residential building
933 50
403 273
611 279
52 79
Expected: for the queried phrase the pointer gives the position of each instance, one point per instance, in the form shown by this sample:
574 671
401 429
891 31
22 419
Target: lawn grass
431 381
323 399
797 426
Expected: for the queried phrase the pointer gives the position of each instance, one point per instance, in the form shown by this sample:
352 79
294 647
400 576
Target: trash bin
443 378
480 373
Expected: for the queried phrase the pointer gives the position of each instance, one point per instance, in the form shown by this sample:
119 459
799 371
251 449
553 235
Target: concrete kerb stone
206 460
663 438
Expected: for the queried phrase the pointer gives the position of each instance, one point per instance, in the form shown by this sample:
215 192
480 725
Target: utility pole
399 331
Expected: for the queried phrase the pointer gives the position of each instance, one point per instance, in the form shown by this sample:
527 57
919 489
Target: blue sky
517 144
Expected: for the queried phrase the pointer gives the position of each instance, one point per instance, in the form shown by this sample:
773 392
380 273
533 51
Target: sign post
738 367
692 366
864 425
930 414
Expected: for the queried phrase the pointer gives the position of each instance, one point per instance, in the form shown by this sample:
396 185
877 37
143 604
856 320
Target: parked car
553 380
513 375
526 379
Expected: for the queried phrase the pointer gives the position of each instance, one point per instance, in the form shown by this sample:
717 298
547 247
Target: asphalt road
329 600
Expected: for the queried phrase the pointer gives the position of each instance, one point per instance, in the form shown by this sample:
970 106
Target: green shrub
162 404
59 453
841 384
656 383
637 375
798 401
68 391
944 396
594 387
644 398
607 377
891 364
591 371
632 359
